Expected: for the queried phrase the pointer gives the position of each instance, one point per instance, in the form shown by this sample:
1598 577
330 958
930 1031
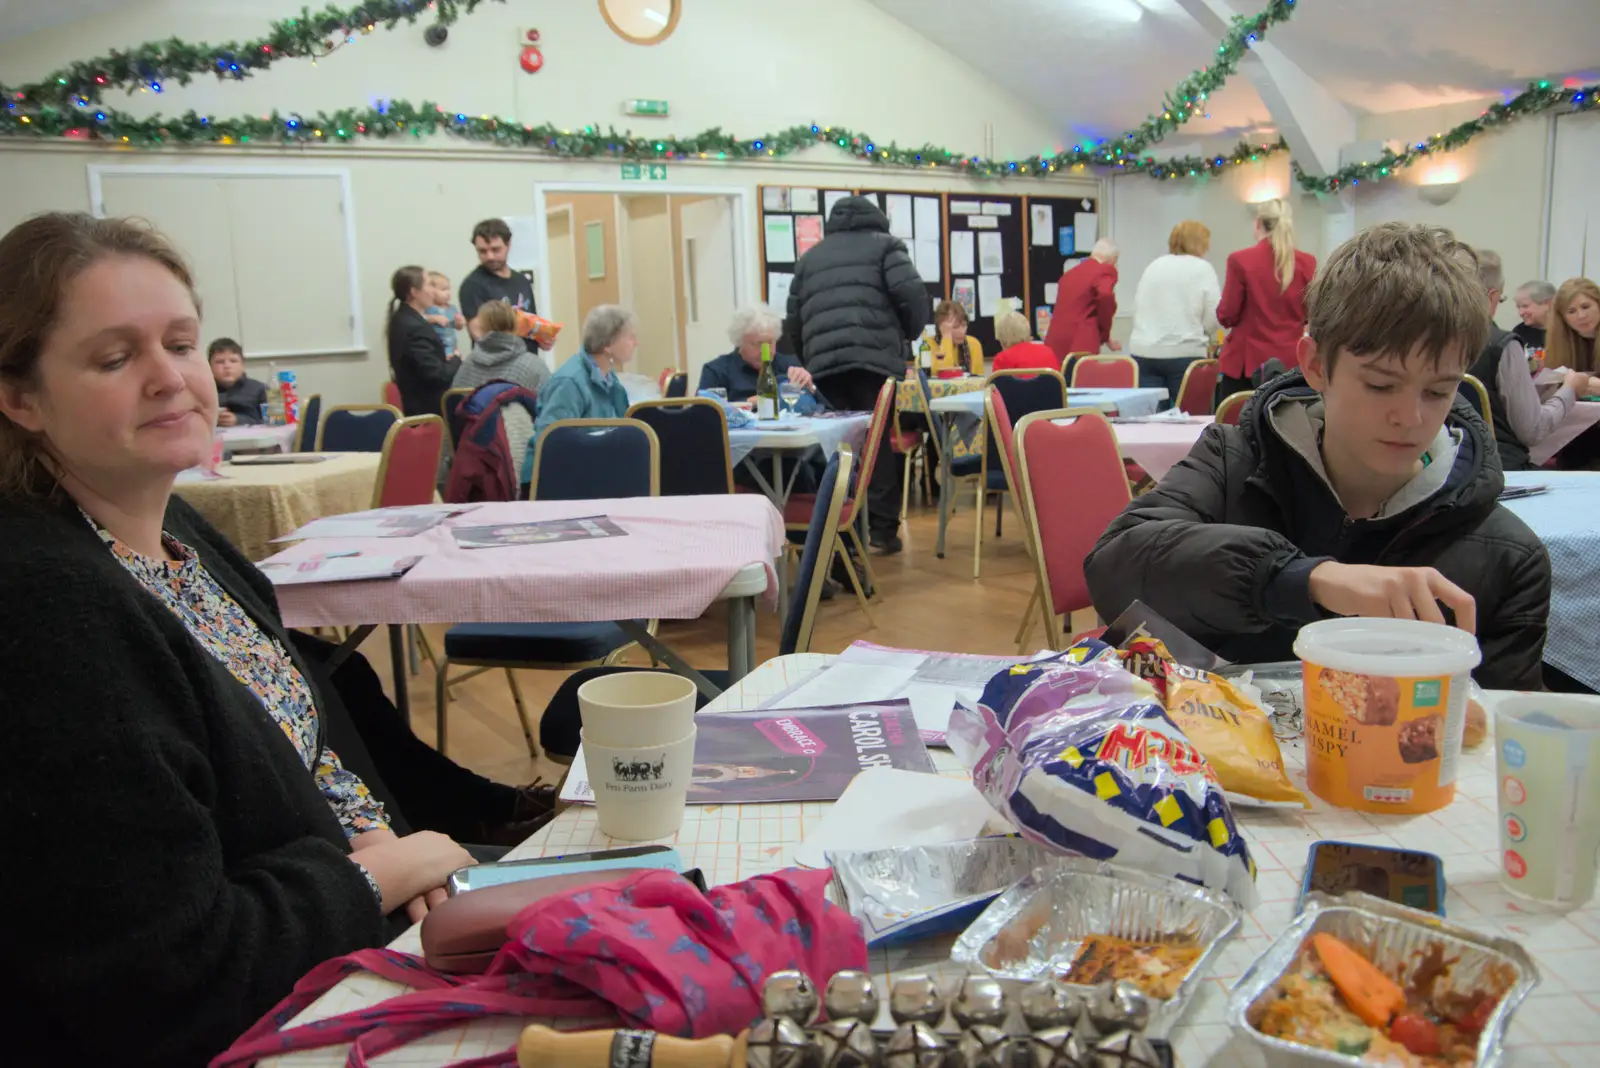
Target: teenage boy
1358 486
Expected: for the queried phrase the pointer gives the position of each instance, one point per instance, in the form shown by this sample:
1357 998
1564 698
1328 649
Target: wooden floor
923 603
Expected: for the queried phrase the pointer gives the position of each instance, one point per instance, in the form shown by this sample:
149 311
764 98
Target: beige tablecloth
252 504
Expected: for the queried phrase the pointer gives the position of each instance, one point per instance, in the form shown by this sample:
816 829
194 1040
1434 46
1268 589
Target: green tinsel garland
1538 97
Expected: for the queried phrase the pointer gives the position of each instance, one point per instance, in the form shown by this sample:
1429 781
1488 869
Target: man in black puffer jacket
855 301
1361 487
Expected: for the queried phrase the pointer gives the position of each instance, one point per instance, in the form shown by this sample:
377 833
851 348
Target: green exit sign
644 172
644 107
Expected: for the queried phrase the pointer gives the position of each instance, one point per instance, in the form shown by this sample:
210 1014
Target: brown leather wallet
463 934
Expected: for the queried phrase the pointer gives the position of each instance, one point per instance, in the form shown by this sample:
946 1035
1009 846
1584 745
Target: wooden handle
540 1047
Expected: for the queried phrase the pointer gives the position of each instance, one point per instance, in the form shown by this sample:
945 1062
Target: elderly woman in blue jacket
586 386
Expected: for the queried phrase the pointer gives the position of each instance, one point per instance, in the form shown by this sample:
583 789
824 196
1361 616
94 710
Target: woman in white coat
1175 310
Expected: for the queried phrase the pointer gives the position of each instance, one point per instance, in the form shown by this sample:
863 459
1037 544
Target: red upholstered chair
1072 482
391 395
409 470
1105 372
798 509
1228 411
1198 392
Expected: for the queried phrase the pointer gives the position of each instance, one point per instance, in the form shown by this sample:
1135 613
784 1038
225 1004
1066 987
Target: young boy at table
239 397
1358 486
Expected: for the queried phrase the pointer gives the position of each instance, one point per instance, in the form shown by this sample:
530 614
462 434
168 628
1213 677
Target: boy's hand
227 418
1391 593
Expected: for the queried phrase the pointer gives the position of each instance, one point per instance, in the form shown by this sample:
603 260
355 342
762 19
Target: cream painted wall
416 203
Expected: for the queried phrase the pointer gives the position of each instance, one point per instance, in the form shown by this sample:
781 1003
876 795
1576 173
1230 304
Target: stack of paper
335 569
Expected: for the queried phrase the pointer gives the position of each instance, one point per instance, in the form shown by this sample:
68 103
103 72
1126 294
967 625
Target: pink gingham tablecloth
1583 415
1156 447
678 556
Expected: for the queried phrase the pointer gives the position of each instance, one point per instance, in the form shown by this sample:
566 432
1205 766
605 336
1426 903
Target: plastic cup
635 708
1386 707
639 791
1547 764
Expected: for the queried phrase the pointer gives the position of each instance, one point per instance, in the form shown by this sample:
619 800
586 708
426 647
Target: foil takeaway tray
1394 937
1056 907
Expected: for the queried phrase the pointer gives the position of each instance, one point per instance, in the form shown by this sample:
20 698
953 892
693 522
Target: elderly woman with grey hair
736 371
1533 308
586 386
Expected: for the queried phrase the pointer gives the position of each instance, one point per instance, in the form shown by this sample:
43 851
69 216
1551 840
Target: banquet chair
449 405
310 423
391 395
677 386
1022 391
914 444
1105 372
356 427
1474 390
1198 391
558 731
410 464
574 459
1228 411
800 509
693 432
664 378
1071 477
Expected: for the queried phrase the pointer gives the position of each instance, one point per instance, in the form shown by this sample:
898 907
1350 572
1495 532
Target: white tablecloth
1567 518
1130 402
826 434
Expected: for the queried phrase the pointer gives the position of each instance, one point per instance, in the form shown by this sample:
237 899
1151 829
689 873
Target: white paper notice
993 207
965 207
927 213
830 198
778 283
803 200
926 251
983 222
525 244
988 294
961 256
1085 230
1050 291
775 198
991 256
780 238
1044 224
901 223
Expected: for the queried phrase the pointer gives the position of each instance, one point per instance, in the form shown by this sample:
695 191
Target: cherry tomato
1415 1033
1476 1020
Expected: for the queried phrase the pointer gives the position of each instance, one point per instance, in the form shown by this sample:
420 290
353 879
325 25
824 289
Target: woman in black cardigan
180 843
417 359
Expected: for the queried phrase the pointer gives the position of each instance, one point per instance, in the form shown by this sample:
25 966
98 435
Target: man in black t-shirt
493 279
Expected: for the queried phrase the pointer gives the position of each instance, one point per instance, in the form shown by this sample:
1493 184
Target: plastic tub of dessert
1089 923
1357 981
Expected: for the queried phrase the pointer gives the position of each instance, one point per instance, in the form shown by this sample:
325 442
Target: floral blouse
257 660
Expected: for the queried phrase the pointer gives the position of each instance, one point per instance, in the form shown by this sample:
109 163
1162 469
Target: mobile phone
1405 876
515 871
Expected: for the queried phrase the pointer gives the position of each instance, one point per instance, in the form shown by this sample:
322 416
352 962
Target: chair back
450 408
1198 393
356 427
1228 411
409 470
925 391
310 423
882 412
590 459
1105 372
664 378
821 534
1474 390
1023 392
1002 436
391 395
1068 360
693 431
1072 478
677 386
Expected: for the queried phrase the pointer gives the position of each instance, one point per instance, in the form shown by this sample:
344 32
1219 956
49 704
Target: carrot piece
1372 995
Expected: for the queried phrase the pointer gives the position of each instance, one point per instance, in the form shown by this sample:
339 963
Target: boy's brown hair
1395 286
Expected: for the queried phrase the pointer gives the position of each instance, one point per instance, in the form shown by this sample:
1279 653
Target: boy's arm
1512 639
1171 550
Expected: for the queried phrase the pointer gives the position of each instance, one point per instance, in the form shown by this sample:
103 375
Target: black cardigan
421 367
171 868
244 399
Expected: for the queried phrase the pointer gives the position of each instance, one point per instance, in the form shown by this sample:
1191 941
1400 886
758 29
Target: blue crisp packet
1080 755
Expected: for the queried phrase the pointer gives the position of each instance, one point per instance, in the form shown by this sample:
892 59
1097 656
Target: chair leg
905 489
999 511
866 560
441 703
977 532
1026 626
849 569
426 646
522 714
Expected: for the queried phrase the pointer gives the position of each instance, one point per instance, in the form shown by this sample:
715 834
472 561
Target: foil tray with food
909 892
1357 981
1087 922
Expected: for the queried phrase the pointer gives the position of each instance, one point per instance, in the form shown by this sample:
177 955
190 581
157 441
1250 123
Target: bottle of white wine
766 386
925 352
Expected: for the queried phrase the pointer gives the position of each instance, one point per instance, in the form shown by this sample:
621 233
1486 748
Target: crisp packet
1230 730
1079 755
536 327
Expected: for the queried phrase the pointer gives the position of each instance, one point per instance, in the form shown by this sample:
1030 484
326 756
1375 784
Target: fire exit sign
644 107
644 172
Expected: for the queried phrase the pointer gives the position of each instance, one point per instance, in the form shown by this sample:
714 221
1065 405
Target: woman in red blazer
1263 300
1086 302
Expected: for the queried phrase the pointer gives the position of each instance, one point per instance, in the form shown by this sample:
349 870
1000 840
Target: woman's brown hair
943 310
39 258
1561 347
1189 238
497 317
403 283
